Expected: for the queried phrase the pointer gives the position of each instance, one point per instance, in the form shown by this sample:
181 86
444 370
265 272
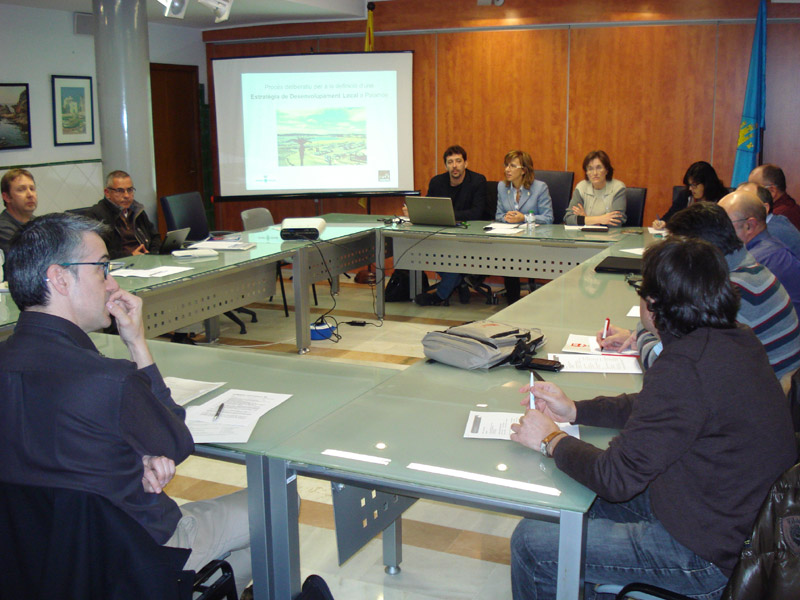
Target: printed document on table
587 344
635 311
186 390
636 251
497 425
223 245
235 422
154 272
590 363
505 228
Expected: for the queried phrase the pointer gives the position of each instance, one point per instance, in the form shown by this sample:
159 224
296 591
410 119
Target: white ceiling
243 12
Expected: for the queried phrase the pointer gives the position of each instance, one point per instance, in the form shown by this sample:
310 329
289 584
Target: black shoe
429 299
315 588
464 293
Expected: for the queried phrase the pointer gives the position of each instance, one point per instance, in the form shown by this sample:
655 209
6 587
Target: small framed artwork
73 113
15 117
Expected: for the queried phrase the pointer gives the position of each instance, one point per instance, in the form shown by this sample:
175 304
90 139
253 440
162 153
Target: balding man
772 177
749 219
778 226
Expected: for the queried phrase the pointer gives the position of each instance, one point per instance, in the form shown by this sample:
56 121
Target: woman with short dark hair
702 185
599 199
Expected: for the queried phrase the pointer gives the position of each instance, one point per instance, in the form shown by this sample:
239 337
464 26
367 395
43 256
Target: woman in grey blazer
599 199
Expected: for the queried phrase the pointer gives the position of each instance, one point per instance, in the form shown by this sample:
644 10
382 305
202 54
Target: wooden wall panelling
782 130
733 60
499 91
410 15
644 95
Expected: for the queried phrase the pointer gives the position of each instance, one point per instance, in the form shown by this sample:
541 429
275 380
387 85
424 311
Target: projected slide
310 126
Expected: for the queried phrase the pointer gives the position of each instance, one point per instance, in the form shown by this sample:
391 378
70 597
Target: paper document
154 272
589 363
634 312
186 390
505 228
636 251
497 425
241 410
223 245
587 344
654 231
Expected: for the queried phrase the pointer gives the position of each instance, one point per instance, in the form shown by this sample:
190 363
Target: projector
302 229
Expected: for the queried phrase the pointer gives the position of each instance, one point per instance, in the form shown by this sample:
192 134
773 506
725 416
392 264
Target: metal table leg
571 555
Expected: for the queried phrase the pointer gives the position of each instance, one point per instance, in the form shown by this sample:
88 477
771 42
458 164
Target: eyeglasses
593 169
129 190
513 167
107 265
694 186
634 280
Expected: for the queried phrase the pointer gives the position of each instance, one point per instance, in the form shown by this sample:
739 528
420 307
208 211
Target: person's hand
140 250
127 311
617 339
405 211
532 428
158 472
514 216
612 218
659 224
550 401
578 210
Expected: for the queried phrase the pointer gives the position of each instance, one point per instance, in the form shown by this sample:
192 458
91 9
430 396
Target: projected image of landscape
320 137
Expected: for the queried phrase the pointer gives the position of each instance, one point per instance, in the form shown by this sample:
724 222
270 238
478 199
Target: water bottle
530 218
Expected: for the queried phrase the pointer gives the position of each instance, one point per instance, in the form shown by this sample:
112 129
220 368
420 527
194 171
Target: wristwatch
547 439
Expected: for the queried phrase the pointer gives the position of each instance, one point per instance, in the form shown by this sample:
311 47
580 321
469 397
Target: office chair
634 205
56 542
188 210
560 185
259 218
490 209
769 562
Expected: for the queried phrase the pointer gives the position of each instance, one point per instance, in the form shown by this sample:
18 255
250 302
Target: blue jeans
448 283
624 543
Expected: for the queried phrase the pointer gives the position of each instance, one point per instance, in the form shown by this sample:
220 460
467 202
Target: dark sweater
469 197
75 419
709 433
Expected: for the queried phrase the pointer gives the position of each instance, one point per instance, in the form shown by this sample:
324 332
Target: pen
532 400
219 412
605 328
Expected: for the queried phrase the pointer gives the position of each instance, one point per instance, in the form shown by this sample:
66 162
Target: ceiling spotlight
221 8
174 8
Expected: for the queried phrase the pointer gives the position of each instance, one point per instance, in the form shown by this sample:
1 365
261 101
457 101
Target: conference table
402 439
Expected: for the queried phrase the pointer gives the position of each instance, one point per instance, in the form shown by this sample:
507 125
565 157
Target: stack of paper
584 356
587 344
241 410
154 272
223 245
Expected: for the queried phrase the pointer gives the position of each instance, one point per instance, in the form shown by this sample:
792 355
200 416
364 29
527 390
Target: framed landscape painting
15 117
73 114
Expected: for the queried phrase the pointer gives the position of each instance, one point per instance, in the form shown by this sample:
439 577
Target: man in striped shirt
765 304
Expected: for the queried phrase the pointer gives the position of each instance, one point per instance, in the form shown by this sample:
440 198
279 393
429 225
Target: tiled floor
448 551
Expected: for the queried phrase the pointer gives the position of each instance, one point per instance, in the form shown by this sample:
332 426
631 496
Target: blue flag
748 146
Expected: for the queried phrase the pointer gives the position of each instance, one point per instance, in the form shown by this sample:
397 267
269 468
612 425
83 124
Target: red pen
605 328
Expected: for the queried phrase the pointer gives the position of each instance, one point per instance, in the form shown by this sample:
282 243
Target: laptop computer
620 264
174 240
428 210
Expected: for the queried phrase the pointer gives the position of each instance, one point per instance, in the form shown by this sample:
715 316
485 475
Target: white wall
38 43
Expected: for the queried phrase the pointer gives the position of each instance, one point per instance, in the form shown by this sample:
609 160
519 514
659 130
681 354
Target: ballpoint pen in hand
532 399
605 328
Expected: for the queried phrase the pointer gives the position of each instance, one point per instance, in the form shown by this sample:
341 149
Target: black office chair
64 543
188 210
560 185
490 209
634 209
769 562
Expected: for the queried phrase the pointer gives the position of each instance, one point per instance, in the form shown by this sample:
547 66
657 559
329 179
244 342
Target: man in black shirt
467 190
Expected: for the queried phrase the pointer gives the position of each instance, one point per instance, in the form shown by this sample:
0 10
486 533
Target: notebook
427 210
174 240
619 264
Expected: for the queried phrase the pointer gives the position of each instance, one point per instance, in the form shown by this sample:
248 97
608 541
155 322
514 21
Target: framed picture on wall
73 114
15 117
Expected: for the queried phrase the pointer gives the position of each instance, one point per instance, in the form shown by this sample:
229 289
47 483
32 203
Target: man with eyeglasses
771 177
749 219
130 230
74 419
